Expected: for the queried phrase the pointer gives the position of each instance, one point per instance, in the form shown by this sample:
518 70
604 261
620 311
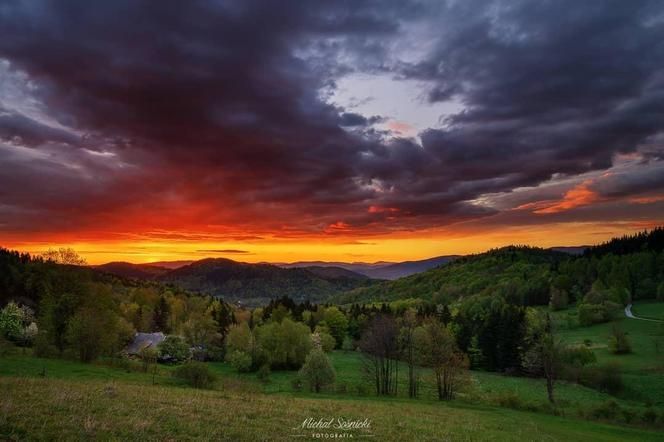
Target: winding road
629 314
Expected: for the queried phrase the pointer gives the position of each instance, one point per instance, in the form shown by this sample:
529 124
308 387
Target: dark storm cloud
219 104
549 87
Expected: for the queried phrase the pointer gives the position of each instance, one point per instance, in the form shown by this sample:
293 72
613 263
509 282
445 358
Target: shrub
578 356
618 342
609 410
607 378
173 349
508 399
196 374
597 313
317 371
240 361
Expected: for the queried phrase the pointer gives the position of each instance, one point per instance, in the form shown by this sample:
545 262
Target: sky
352 131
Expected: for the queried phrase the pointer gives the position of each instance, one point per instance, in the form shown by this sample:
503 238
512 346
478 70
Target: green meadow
116 400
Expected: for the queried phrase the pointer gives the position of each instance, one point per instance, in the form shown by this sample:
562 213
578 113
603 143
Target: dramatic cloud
222 119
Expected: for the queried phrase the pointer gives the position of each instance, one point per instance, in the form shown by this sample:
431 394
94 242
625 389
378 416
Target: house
142 341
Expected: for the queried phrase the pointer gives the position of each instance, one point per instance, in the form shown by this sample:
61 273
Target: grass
96 409
107 401
651 310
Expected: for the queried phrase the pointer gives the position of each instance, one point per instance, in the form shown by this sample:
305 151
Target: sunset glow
330 134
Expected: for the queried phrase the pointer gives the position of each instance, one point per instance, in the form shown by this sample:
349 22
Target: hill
78 401
647 241
170 264
523 270
380 269
258 283
129 270
407 268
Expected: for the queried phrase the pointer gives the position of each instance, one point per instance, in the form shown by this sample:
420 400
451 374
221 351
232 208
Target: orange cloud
580 195
379 209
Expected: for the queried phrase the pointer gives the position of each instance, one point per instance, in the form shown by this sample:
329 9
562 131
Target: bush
240 361
597 313
173 349
609 410
578 356
196 374
508 399
618 342
607 378
317 371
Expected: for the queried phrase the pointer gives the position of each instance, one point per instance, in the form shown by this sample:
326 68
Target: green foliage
520 274
17 323
240 338
590 314
618 342
327 342
240 361
607 378
286 344
436 348
173 349
317 371
257 284
337 323
559 299
95 329
578 356
196 374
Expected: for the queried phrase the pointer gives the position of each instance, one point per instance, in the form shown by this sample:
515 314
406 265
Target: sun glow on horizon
396 247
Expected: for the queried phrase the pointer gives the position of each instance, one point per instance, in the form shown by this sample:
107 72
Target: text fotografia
335 428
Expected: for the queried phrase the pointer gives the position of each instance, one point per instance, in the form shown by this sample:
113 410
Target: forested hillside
256 284
628 267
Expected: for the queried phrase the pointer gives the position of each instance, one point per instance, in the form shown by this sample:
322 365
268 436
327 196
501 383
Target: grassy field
64 409
109 400
652 310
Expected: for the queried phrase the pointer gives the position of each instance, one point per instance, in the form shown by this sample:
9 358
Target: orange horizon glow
401 246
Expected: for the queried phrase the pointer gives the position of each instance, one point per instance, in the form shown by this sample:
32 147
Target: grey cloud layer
221 102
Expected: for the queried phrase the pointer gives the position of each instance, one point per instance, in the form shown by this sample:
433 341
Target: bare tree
437 349
64 255
407 341
544 354
381 349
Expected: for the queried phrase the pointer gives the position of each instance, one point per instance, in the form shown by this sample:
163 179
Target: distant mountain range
382 269
258 283
252 284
